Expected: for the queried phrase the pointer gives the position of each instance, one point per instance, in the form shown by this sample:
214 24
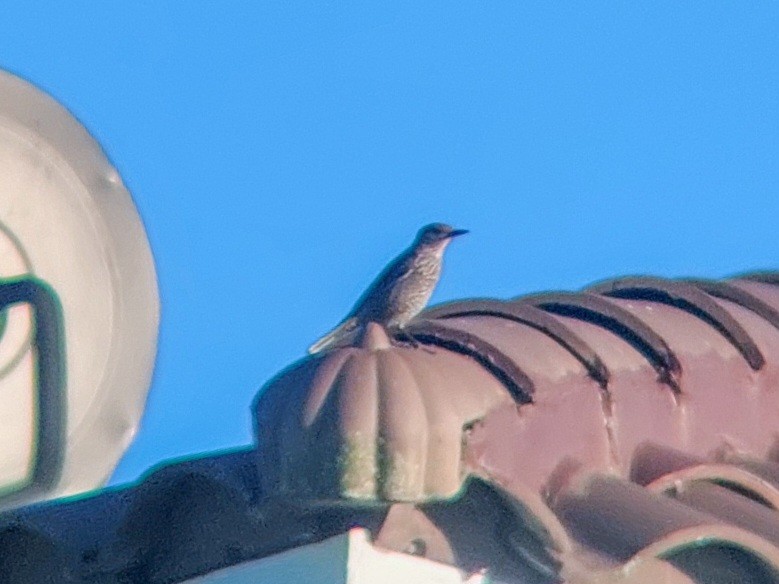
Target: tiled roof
513 389
626 434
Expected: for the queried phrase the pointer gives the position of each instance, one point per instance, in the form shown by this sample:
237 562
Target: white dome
67 220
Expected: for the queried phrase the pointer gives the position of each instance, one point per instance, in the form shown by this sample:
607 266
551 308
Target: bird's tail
339 334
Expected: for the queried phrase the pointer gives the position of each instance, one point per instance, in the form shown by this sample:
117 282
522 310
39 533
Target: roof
623 434
512 389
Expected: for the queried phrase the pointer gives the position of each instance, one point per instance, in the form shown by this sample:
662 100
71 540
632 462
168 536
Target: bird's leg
403 338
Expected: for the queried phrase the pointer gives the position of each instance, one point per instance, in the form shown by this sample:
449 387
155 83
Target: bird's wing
380 292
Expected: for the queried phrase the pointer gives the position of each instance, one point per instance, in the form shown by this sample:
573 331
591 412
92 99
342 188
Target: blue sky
281 153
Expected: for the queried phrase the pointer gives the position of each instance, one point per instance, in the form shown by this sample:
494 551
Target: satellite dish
79 305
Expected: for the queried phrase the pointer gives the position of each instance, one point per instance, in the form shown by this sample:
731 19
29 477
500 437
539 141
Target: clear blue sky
280 153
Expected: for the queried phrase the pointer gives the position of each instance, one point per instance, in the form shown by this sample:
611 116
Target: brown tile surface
546 441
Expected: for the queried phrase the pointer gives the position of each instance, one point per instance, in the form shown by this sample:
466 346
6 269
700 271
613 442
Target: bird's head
437 233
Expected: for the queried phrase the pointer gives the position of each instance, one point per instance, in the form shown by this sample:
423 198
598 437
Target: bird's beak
456 232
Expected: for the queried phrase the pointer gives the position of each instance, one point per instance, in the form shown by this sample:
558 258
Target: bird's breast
412 294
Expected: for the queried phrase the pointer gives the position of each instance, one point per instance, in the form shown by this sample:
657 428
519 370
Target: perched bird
400 291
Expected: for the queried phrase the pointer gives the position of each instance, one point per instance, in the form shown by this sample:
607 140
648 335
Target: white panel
346 559
320 563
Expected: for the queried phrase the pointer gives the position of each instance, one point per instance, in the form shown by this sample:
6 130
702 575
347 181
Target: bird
400 291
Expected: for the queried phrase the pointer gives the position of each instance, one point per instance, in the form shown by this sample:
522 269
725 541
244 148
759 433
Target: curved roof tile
726 291
380 421
692 299
531 316
610 316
